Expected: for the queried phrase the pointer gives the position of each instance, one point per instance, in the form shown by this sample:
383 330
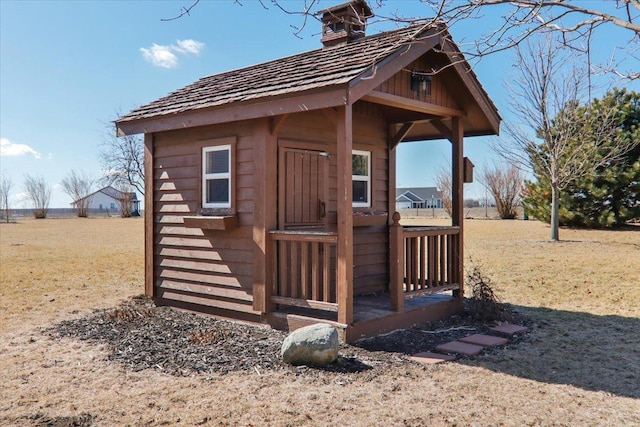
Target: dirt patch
82 420
142 336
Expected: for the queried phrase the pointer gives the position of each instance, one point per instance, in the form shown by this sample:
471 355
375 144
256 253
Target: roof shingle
320 68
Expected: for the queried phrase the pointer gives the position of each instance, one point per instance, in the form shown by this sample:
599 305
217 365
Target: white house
109 200
418 197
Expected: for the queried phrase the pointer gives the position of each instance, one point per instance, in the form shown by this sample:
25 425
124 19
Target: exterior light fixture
420 82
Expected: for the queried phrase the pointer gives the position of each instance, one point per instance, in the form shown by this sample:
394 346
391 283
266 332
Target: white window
361 164
216 176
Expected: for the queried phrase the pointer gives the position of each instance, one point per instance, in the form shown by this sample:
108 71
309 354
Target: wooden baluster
283 290
432 250
407 268
415 254
423 256
295 282
326 269
304 268
315 259
443 260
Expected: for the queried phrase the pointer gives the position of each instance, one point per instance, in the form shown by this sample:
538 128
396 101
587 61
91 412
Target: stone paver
484 340
429 358
460 348
509 329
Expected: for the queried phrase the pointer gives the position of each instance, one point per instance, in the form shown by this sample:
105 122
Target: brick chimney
344 22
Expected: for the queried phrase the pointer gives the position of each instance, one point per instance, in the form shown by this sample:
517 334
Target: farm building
270 189
109 199
418 198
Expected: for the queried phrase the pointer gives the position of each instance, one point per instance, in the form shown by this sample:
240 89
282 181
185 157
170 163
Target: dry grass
49 267
579 367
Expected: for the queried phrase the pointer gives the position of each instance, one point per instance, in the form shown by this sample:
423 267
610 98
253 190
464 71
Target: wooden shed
270 190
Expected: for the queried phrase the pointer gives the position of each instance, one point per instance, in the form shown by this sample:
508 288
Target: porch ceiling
475 124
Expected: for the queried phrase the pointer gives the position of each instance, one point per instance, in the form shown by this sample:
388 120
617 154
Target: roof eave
472 83
326 97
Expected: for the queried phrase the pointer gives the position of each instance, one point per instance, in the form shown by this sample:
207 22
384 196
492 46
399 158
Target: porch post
344 268
457 194
264 213
149 217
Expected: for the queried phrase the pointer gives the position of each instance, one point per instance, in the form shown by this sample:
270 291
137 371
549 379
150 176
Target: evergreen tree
609 197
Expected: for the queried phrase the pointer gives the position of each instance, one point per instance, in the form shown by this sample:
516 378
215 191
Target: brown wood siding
371 244
213 269
400 84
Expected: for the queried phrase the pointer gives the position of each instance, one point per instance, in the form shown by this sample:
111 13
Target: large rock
313 345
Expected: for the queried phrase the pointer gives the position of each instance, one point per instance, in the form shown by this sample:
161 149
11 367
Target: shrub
484 305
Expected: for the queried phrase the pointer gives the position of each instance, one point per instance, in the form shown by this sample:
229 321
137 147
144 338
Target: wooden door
302 189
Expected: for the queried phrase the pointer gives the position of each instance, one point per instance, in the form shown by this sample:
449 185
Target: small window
336 27
113 205
361 179
216 177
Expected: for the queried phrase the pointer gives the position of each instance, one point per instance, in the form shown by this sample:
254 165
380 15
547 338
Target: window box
223 222
369 219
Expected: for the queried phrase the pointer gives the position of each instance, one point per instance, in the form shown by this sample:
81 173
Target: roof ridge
330 65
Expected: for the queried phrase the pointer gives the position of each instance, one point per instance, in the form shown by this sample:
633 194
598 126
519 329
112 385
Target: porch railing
424 260
303 274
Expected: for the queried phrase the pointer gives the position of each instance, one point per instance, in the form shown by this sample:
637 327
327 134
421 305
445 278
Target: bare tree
504 184
443 182
5 190
546 96
124 195
79 185
39 194
122 158
579 24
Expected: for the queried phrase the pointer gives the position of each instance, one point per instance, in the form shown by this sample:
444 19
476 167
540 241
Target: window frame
224 144
206 177
362 178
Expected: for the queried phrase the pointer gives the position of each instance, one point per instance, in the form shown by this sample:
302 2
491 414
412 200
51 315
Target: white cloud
189 46
19 197
165 56
160 56
8 148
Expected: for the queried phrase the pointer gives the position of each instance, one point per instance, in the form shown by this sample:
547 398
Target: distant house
418 197
109 199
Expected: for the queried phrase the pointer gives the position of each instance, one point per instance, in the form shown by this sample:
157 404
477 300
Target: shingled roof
320 68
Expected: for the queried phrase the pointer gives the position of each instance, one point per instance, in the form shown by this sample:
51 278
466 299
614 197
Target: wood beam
391 183
401 102
344 268
399 135
443 129
274 106
331 114
149 217
457 196
276 122
264 213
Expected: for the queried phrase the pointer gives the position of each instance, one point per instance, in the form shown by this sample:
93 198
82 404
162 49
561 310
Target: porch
423 286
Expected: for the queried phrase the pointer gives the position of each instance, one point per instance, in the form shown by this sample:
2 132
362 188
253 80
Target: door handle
322 209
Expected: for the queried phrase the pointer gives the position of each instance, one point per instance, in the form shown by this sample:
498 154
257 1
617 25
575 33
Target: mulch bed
142 336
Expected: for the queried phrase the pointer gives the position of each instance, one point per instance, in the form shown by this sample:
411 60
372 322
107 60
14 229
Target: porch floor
372 314
369 307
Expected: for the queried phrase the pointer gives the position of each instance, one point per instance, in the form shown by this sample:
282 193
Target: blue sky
66 68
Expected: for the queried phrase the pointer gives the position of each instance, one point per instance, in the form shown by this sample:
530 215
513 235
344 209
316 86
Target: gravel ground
142 336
